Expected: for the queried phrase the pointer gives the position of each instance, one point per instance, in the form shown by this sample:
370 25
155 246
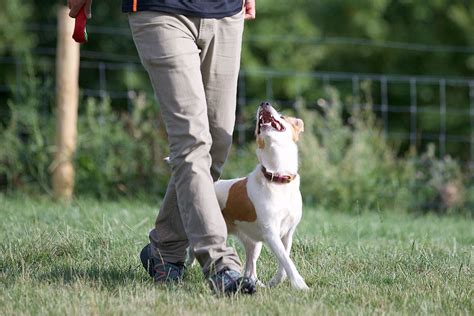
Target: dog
266 206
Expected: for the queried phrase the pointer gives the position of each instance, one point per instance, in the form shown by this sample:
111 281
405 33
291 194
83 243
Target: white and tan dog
266 205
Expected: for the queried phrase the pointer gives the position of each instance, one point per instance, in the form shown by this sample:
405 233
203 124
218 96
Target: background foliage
121 145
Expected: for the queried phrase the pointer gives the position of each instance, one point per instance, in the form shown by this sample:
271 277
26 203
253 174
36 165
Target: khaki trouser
193 64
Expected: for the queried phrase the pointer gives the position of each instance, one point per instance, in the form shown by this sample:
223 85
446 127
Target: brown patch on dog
297 126
260 142
238 206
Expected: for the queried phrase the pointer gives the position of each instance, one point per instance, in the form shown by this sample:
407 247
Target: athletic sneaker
229 282
159 270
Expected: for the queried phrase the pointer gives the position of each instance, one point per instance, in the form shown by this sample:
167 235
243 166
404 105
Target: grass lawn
83 259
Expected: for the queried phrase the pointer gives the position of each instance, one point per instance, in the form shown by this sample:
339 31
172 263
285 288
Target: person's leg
168 240
220 61
167 47
221 42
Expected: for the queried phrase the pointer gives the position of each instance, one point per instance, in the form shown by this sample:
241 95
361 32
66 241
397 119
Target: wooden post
67 95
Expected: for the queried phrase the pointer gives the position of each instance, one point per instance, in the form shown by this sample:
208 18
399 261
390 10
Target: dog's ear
297 126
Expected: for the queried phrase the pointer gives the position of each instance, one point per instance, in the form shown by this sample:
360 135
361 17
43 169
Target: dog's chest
273 207
253 205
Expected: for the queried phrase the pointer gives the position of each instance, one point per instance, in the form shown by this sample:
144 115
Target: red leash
80 32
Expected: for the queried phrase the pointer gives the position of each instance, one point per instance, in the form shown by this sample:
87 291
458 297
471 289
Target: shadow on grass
108 277
112 278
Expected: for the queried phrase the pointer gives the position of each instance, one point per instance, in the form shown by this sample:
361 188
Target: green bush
346 163
437 184
26 149
241 161
120 153
117 153
15 39
347 166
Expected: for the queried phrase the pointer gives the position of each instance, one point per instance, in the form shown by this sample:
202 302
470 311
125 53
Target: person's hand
76 5
249 8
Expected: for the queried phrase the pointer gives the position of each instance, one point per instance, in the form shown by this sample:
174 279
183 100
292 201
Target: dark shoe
230 282
159 270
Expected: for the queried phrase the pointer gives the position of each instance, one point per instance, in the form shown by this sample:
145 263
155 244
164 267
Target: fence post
471 119
442 119
67 95
384 99
413 110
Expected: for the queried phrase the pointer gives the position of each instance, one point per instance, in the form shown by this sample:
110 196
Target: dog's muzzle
266 120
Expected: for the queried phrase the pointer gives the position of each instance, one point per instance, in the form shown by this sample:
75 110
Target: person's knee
191 151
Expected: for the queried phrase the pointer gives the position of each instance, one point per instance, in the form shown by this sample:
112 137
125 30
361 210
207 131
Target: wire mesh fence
413 110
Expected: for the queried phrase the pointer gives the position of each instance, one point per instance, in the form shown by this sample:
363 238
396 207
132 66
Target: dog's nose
265 104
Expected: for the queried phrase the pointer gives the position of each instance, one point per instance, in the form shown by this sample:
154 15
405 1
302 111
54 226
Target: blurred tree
377 36
413 37
362 36
14 39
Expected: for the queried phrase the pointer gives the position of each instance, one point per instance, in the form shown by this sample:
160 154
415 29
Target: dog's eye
283 117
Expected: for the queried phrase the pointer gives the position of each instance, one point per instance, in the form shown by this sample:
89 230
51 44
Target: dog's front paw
299 284
259 283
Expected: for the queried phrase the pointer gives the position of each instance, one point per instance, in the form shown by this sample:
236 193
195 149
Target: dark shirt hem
160 8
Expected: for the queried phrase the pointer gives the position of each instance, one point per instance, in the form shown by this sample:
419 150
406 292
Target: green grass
82 259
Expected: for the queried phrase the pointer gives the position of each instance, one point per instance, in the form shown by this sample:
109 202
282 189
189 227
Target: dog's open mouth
266 121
